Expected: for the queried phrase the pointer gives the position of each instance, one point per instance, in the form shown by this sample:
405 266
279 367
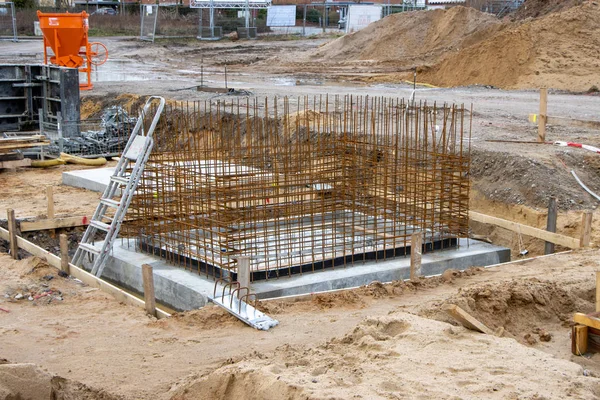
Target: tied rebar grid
302 184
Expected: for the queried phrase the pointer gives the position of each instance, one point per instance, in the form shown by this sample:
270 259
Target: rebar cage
302 184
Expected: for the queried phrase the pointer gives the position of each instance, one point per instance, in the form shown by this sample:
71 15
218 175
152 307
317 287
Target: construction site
389 201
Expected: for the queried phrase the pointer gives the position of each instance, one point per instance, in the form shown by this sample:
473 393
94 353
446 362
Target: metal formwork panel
27 89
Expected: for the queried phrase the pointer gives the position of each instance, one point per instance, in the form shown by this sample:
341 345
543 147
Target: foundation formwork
302 184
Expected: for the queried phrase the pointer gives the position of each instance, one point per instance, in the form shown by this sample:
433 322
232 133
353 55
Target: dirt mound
560 50
208 317
27 381
539 8
507 177
521 307
414 38
383 358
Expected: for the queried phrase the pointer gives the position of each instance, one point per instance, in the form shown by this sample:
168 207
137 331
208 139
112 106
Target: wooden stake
551 224
64 254
579 340
243 274
543 115
597 291
586 229
148 281
12 233
50 197
416 247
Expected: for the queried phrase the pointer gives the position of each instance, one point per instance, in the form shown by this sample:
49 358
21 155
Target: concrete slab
92 179
185 290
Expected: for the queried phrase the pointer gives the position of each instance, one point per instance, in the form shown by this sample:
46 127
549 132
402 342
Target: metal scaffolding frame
10 14
212 5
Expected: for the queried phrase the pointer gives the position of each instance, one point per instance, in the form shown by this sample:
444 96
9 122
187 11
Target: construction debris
11 144
11 155
110 140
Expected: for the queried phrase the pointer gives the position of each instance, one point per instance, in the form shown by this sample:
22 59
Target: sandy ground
24 190
372 342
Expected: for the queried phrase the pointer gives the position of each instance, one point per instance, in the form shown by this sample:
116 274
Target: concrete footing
92 179
185 290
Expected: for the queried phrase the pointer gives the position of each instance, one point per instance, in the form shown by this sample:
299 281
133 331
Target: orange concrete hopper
67 35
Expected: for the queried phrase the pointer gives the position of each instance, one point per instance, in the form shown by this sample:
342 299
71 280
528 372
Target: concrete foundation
91 179
185 290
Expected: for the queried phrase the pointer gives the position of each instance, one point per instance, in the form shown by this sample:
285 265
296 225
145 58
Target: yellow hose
47 163
83 161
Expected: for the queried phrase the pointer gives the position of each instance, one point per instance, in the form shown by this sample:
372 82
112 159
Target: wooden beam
466 320
586 229
149 296
5 148
587 321
551 224
26 162
64 254
82 275
562 121
579 340
12 233
543 115
555 238
416 247
56 223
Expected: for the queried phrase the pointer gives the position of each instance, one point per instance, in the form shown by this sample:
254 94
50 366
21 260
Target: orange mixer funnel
67 36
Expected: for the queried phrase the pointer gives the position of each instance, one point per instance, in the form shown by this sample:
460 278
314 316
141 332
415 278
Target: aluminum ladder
235 299
137 150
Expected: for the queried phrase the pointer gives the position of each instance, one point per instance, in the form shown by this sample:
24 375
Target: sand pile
383 358
27 381
411 39
522 306
560 50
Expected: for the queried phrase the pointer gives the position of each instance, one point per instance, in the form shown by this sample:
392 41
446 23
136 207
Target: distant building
435 4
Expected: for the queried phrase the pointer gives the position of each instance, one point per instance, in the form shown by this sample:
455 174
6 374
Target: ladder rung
89 248
110 202
120 179
100 225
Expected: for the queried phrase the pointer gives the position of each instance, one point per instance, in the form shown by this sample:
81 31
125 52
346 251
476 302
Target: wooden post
586 229
243 273
12 233
148 281
551 224
543 115
579 340
597 291
416 247
50 196
64 254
